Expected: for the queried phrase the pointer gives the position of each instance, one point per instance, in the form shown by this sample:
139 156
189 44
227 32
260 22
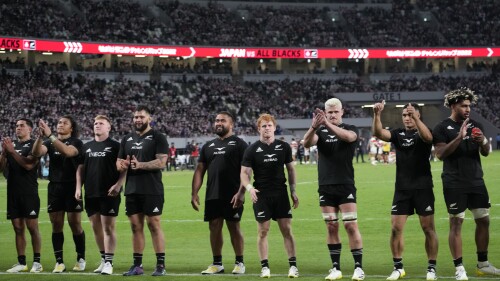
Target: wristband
314 128
52 138
485 141
249 187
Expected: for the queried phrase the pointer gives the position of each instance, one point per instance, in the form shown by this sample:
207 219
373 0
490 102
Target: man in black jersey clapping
63 151
221 157
97 172
413 186
336 142
459 142
23 203
266 158
143 155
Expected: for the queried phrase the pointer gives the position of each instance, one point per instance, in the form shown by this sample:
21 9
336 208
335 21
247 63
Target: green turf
188 250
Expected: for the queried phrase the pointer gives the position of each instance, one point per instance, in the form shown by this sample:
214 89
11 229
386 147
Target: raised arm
377 128
27 162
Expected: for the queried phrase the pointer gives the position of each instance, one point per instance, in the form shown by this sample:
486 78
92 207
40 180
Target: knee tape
480 213
459 215
349 217
330 217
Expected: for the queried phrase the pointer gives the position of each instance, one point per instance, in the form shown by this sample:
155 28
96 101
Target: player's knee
480 213
460 215
349 217
331 221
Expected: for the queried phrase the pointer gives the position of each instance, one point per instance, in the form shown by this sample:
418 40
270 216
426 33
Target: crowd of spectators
401 24
182 107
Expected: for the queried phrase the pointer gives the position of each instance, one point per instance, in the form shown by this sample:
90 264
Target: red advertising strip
224 52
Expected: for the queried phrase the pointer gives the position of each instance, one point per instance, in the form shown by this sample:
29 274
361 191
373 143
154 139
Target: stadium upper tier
386 24
182 107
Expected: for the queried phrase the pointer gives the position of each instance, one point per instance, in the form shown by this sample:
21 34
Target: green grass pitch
188 249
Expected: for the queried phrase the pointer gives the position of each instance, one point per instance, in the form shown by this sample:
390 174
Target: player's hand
477 135
463 128
44 128
295 200
114 190
253 194
411 111
8 146
123 164
78 194
238 200
195 202
318 118
378 107
134 163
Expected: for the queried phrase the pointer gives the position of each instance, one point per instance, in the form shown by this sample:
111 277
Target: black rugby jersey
223 161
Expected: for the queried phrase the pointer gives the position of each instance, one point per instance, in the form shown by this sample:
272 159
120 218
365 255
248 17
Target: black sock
458 262
264 263
335 250
357 254
239 259
217 260
137 259
160 259
79 245
57 244
431 265
102 254
398 263
21 259
108 257
36 257
292 261
482 256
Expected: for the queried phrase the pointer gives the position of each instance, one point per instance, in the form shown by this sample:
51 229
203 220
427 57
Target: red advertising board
243 52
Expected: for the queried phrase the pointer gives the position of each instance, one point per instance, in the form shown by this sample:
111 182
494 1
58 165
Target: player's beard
221 131
141 128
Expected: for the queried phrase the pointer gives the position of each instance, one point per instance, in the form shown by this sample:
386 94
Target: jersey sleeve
122 153
242 148
81 155
288 153
394 136
202 157
247 158
161 144
438 135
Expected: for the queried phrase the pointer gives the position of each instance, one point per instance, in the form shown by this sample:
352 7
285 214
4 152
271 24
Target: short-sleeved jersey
63 169
413 170
462 168
335 157
99 161
19 180
144 148
222 158
267 163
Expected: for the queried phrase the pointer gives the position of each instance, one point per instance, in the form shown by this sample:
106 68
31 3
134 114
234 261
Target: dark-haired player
413 185
266 158
97 172
221 157
463 184
63 151
143 155
23 202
